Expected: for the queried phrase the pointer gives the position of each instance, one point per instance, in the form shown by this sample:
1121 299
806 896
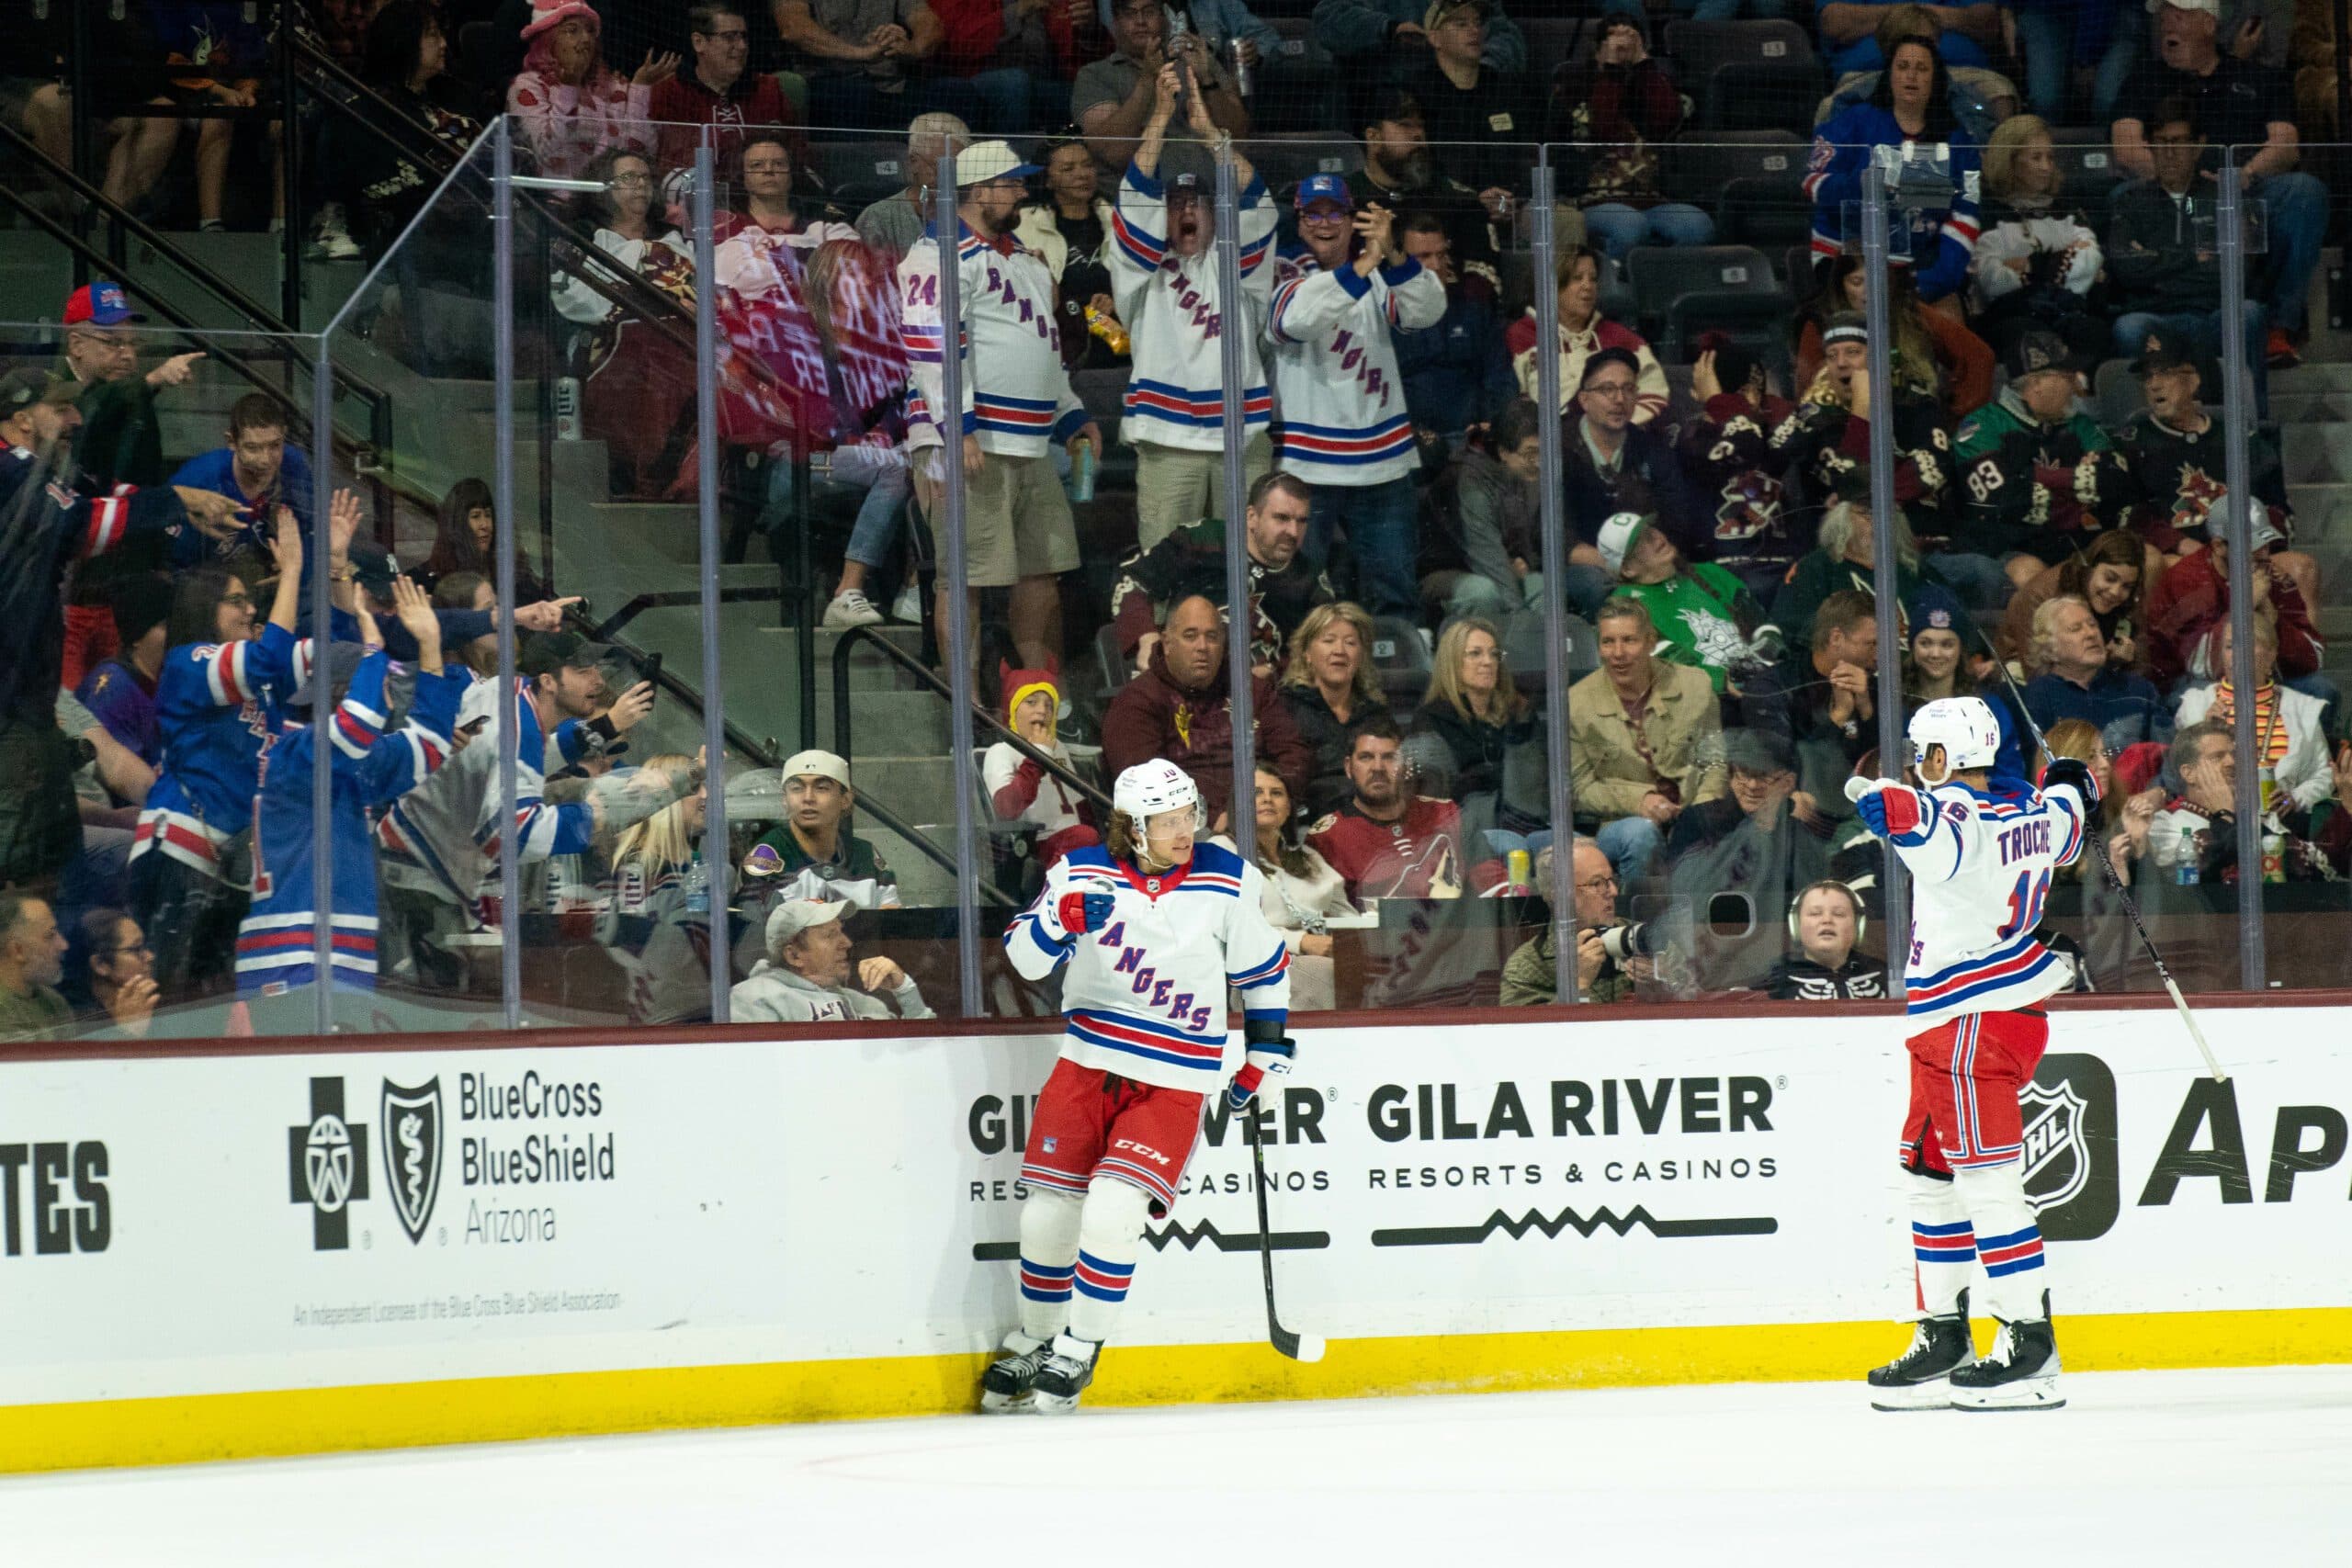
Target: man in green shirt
811 854
32 960
1704 616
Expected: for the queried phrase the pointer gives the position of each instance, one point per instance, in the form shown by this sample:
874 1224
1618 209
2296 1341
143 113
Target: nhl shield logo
409 1130
2057 1162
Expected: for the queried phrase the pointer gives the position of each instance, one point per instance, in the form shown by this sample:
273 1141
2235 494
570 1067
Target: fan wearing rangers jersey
1164 280
1018 532
216 708
1980 864
372 765
1148 930
1345 428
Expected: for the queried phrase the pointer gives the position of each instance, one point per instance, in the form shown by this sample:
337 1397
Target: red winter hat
546 13
1018 686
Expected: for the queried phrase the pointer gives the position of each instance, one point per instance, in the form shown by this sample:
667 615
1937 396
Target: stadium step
2316 454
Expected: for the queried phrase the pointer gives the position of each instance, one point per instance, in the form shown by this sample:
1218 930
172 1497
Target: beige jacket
1606 774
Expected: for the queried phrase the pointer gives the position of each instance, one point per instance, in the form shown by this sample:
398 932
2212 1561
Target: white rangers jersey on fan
1144 994
1980 867
1335 368
1175 319
1016 394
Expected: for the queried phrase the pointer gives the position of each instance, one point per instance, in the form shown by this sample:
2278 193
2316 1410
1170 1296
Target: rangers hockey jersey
1145 995
443 839
216 706
1344 421
1938 238
1982 864
1016 394
275 946
1176 319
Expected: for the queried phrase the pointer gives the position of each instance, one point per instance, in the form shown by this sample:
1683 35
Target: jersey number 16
2025 902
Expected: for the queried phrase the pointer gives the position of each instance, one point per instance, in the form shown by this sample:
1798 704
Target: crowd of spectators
1720 553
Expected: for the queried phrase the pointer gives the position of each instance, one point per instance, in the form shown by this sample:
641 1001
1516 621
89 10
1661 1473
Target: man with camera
1611 954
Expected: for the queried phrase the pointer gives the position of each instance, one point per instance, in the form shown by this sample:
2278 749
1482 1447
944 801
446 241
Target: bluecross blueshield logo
409 1126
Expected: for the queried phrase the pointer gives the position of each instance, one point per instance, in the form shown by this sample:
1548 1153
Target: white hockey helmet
1145 790
1966 729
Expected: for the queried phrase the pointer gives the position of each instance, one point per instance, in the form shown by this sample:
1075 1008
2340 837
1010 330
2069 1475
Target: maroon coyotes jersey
1417 856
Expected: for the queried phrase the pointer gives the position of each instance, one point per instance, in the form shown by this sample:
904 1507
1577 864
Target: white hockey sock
2008 1242
1107 1242
1943 1243
1049 1258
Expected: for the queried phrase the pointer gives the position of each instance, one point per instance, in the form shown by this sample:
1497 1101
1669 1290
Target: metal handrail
624 290
930 680
758 751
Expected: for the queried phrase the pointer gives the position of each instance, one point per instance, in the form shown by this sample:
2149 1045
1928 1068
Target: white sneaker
907 608
852 609
331 240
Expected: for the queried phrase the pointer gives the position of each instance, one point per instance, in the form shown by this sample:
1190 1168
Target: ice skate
2020 1374
1065 1375
1005 1386
1920 1379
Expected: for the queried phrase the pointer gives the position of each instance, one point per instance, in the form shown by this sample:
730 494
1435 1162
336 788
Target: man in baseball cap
1323 193
812 853
99 304
807 975
984 161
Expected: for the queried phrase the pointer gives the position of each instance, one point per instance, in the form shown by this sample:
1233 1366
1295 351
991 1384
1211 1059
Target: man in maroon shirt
1180 708
1388 840
716 90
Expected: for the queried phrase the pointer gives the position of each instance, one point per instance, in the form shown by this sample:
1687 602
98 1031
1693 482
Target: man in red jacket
2193 596
1180 708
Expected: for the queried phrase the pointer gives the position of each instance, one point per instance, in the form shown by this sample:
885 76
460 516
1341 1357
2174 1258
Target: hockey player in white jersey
1149 930
1981 866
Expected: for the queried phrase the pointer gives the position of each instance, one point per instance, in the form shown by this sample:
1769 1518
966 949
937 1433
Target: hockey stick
1297 1346
2098 843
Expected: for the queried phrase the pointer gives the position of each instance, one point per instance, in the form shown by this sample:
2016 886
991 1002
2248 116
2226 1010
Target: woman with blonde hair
653 897
1329 685
1477 711
2037 262
651 855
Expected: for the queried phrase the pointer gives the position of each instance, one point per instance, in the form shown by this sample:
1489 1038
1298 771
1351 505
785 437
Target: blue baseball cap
100 304
1323 187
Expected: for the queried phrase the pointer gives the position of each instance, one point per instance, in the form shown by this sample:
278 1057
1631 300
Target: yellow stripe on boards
384 1415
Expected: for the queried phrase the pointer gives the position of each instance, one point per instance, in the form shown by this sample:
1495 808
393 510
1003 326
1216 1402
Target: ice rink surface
2153 1469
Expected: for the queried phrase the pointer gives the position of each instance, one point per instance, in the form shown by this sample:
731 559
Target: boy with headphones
1826 921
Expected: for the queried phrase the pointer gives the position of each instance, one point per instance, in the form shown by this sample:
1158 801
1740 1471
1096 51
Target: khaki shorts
1175 487
1016 523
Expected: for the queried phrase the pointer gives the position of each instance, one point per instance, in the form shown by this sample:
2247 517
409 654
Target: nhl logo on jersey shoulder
409 1131
2057 1164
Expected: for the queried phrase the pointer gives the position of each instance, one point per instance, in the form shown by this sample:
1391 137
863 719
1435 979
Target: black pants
191 919
40 822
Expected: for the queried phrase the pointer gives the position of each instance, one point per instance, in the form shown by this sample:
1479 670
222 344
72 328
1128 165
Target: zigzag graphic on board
1569 1219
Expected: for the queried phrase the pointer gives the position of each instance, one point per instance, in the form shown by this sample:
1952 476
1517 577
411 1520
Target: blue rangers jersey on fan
216 708
370 768
1981 866
1144 994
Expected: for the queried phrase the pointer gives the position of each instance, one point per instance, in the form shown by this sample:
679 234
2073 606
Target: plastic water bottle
2184 871
697 882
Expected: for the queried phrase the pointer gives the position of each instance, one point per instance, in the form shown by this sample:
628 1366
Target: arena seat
856 172
1746 75
1685 289
2088 165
